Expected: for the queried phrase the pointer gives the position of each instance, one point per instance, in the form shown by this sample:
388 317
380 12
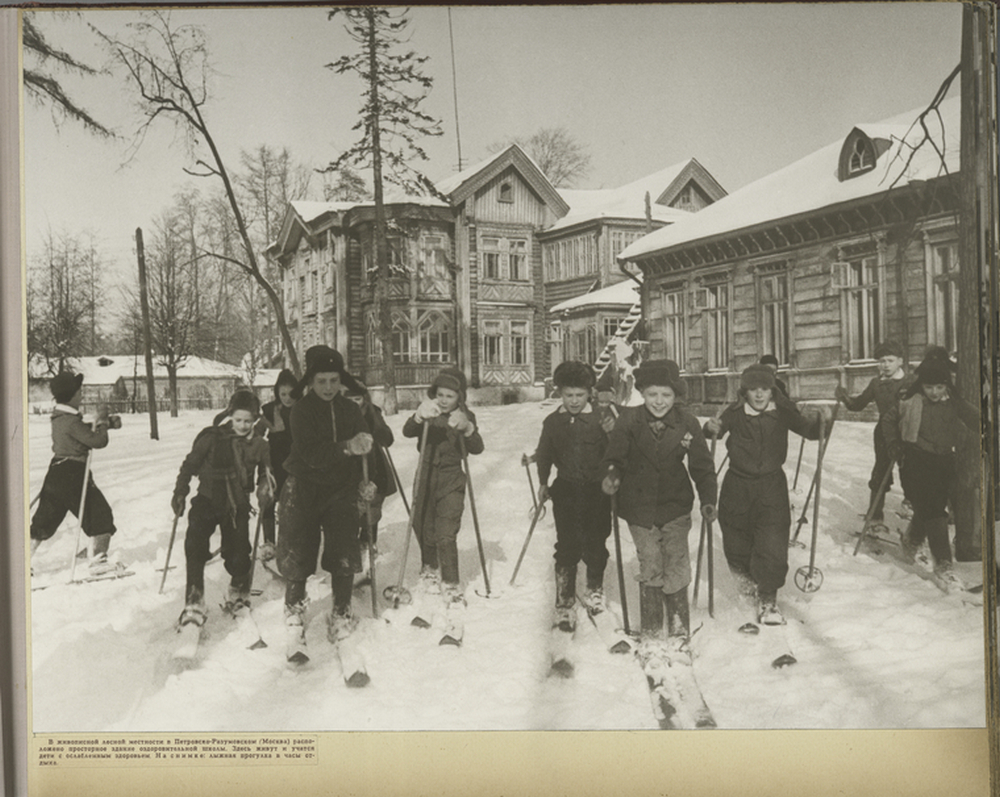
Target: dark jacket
319 453
884 392
442 441
575 444
655 485
72 438
224 463
378 460
276 419
937 427
758 443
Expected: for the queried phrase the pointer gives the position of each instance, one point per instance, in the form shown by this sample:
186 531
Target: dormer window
506 192
859 154
862 159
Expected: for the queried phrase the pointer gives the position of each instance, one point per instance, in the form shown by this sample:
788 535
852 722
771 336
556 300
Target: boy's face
446 398
242 422
759 397
604 398
326 384
574 399
659 399
935 393
889 364
285 395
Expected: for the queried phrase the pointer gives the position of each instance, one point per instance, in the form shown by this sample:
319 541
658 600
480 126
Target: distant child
72 441
574 440
276 418
754 513
885 390
925 430
772 362
319 502
644 465
379 470
225 459
440 498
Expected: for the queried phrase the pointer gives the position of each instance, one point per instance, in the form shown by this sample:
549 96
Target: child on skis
644 465
225 458
319 502
72 442
924 431
276 419
885 390
754 513
379 471
440 498
574 440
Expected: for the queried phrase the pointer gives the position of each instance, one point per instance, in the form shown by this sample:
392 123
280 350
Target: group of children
637 463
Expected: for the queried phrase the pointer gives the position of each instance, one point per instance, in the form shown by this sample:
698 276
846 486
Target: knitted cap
659 373
573 374
757 376
64 386
933 371
769 359
451 378
888 348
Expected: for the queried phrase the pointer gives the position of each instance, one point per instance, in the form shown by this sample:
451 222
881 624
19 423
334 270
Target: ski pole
524 548
395 478
697 567
371 540
170 547
398 594
798 463
526 462
722 464
34 500
811 579
79 516
883 486
475 516
618 559
253 553
711 544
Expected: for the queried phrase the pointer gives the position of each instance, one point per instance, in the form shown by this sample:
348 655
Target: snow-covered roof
107 369
624 293
450 183
812 183
310 211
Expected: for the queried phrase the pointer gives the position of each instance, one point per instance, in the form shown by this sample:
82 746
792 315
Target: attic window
506 192
862 159
104 362
859 154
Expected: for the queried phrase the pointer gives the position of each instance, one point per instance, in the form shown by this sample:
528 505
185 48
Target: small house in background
816 264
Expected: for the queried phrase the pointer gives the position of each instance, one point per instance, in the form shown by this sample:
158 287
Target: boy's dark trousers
883 462
927 482
755 519
309 513
439 520
61 493
203 518
582 513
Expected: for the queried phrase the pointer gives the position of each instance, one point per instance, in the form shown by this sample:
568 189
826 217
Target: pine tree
390 124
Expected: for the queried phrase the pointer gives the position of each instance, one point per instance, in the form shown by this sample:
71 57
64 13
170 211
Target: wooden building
816 263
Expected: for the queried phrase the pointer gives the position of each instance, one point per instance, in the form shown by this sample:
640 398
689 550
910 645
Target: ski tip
358 679
561 669
258 645
622 646
750 629
785 660
419 622
448 639
706 724
298 658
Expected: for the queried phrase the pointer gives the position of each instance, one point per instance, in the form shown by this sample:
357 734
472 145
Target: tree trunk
172 386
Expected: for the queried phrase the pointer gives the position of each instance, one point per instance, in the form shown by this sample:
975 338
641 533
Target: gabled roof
459 187
624 293
107 369
812 183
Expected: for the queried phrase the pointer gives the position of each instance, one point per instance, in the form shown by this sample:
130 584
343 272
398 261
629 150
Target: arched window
506 192
373 346
401 334
434 338
859 154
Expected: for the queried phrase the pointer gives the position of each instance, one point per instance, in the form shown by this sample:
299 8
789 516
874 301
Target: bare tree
559 155
169 69
391 123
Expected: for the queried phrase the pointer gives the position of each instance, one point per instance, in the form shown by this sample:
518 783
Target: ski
246 624
561 644
119 573
771 630
352 662
677 701
606 623
454 623
189 628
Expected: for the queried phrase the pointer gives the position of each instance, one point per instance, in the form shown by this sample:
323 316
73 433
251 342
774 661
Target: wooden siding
526 206
355 353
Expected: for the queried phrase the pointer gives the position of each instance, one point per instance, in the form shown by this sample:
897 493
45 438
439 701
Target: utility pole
154 432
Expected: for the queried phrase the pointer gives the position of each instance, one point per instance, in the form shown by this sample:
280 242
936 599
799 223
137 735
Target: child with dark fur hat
754 513
225 458
885 390
574 440
644 464
276 419
440 498
72 442
924 431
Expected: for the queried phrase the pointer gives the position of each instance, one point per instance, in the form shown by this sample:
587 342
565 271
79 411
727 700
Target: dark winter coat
380 472
655 486
884 392
71 437
224 463
936 427
443 459
575 444
319 454
758 442
276 418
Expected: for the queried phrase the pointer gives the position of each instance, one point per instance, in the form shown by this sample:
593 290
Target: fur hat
573 374
888 348
286 377
244 399
451 378
322 359
769 359
64 385
757 376
355 388
659 373
941 353
934 371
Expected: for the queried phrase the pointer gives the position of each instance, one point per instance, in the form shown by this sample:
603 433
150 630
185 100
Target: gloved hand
713 426
428 409
360 444
608 423
543 493
265 495
611 483
367 491
177 504
708 512
459 421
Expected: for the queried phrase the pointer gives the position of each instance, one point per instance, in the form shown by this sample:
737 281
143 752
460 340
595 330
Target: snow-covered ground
878 646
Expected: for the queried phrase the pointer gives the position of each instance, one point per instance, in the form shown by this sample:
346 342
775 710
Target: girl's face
889 364
659 399
242 422
326 384
574 399
759 397
446 398
285 395
936 393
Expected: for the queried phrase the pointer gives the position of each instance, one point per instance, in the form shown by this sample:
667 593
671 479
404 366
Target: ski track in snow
878 646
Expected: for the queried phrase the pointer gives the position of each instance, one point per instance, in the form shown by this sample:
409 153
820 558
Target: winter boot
99 564
341 621
651 612
565 617
194 609
295 632
266 552
593 599
237 597
768 612
946 578
430 580
907 546
678 613
876 505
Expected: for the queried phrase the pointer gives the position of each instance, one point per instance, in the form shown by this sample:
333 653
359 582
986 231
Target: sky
745 89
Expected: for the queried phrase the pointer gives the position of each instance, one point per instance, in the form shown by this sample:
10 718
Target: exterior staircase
624 332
